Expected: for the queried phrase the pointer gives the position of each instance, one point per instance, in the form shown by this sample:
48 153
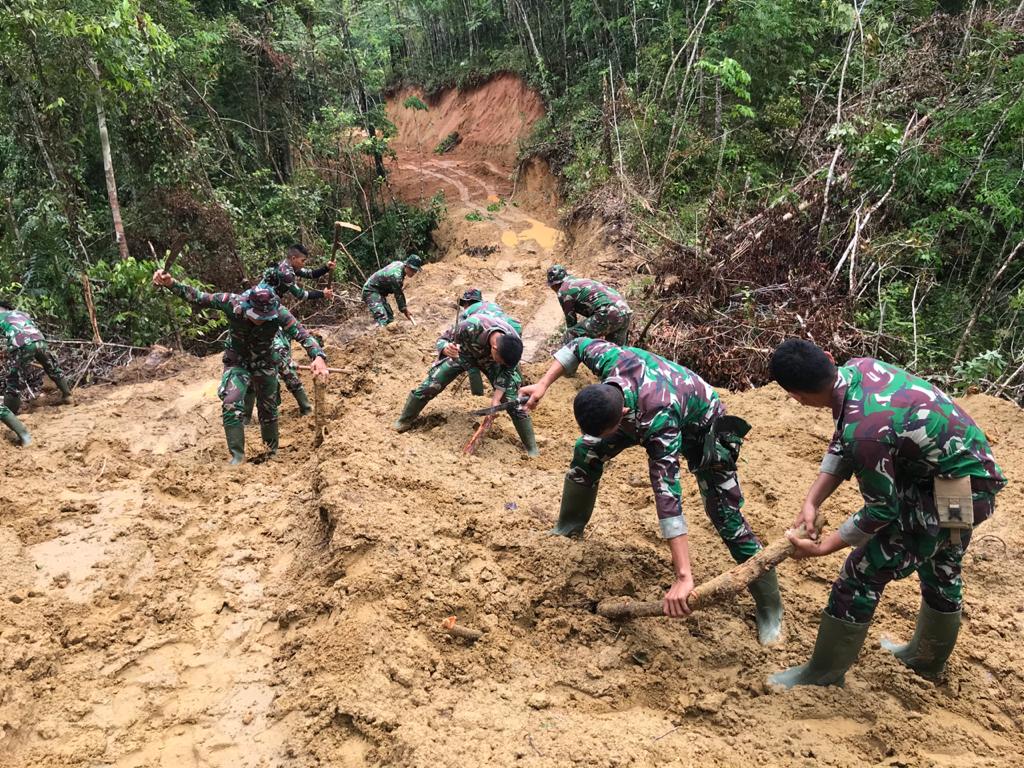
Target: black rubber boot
235 434
476 382
270 435
577 507
247 406
932 643
835 650
17 427
765 592
305 407
524 428
12 403
413 406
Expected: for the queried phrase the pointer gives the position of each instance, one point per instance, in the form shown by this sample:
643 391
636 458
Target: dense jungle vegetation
848 169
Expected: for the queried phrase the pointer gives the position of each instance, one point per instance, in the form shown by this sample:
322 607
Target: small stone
539 701
247 718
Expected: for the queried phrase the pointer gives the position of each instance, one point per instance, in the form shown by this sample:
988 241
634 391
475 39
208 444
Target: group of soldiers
925 469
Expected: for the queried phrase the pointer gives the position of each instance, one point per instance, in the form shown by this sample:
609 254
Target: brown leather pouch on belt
954 503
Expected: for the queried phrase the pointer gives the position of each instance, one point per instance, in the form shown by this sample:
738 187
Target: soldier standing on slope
26 345
250 358
928 477
386 281
644 399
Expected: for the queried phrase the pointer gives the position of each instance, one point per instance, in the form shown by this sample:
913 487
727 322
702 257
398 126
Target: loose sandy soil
159 609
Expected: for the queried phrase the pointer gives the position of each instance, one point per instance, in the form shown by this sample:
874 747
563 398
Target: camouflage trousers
234 385
379 307
610 323
912 543
286 366
445 371
20 359
718 483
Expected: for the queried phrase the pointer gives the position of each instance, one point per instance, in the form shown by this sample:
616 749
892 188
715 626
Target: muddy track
158 609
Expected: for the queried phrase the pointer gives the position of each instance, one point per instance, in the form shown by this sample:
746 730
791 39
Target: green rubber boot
577 507
65 390
17 427
932 643
765 592
247 406
476 382
835 650
235 434
413 406
12 403
270 435
303 400
524 428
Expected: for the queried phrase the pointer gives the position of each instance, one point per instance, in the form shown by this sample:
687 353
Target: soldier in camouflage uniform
605 314
26 345
647 400
250 357
386 281
489 343
282 278
470 303
907 443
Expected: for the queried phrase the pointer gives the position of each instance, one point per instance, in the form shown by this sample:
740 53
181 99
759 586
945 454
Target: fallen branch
319 410
723 586
474 442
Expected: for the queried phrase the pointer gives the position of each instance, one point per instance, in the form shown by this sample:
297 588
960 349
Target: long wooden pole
319 410
723 586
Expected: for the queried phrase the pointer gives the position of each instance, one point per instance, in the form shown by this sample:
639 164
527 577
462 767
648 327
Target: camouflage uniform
251 353
25 345
606 315
282 279
476 385
472 334
896 433
379 286
671 412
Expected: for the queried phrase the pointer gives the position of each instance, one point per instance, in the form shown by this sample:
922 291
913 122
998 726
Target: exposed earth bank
159 609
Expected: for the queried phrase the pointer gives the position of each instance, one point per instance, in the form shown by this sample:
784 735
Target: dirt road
159 609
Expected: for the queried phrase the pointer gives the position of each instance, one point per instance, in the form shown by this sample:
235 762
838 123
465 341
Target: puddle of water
538 231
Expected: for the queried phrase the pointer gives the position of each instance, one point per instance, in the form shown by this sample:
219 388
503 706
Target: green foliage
414 102
448 143
474 216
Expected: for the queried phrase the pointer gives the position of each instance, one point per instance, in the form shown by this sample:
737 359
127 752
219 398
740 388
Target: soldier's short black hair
6 303
298 248
510 348
799 365
598 408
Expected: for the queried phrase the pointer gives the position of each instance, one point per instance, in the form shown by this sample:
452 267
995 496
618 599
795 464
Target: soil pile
158 609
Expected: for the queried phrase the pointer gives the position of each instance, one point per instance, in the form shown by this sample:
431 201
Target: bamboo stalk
723 586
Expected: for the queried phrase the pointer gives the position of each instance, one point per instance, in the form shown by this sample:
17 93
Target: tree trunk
108 164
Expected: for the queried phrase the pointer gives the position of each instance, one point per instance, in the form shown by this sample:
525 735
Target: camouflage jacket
581 296
282 279
484 307
670 410
894 430
473 336
250 345
388 280
18 329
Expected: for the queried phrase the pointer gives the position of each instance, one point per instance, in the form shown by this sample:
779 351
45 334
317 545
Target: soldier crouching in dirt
386 281
644 399
488 343
26 345
471 302
928 477
606 315
250 357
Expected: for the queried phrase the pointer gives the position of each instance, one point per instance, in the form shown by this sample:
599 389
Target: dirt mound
490 119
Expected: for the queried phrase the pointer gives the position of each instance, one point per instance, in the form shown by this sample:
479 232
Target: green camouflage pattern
20 358
282 278
252 353
594 310
896 433
381 284
286 368
18 329
671 412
